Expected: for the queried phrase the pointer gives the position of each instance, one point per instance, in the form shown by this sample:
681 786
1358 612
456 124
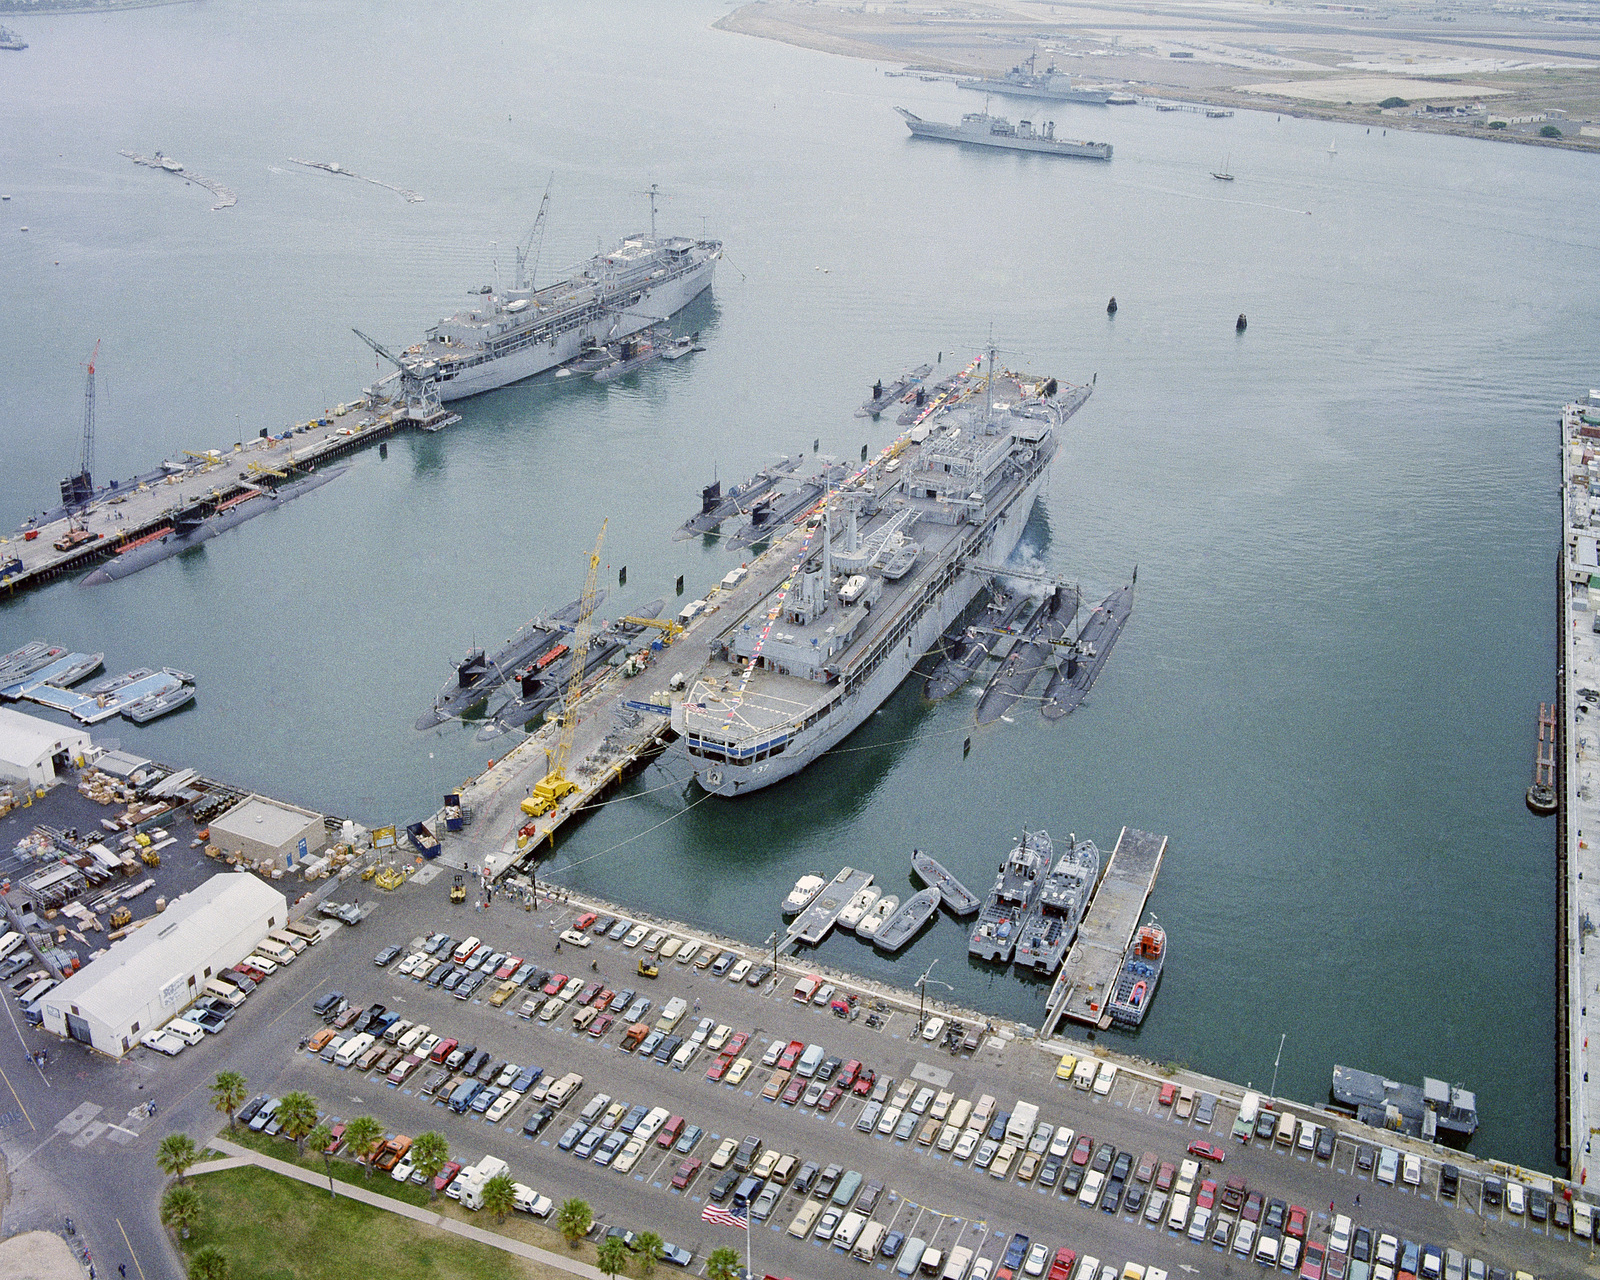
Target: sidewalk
237 1156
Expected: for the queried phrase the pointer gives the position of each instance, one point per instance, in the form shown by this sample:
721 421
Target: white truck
471 1180
1020 1127
1249 1108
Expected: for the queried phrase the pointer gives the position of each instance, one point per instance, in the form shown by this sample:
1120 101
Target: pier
1089 973
814 924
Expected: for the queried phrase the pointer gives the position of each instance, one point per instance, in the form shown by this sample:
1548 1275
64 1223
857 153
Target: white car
965 1144
688 953
629 1155
824 995
635 936
933 1030
1516 1200
501 1105
737 973
1388 1166
411 962
1412 1170
719 1037
704 1029
575 939
1038 1256
1106 1078
890 1118
404 1169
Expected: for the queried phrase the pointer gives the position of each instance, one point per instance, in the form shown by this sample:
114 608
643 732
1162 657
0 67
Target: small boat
960 899
1141 971
119 682
912 914
85 665
1332 150
805 890
28 659
155 705
677 348
862 903
1223 175
873 920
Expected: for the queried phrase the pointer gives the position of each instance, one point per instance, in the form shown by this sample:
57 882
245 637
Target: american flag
734 1217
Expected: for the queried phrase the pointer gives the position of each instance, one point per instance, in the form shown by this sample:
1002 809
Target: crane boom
536 234
380 349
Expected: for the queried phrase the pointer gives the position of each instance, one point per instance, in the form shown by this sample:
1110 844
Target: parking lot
928 1194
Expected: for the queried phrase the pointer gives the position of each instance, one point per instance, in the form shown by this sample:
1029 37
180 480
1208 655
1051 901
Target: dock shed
270 830
36 751
159 970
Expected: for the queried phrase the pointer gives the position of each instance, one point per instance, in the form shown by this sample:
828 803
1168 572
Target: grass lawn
273 1228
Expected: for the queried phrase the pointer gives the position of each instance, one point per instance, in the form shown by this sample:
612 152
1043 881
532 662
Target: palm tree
361 1135
500 1196
723 1264
612 1255
175 1154
296 1116
180 1210
208 1264
429 1153
318 1140
228 1090
573 1220
649 1246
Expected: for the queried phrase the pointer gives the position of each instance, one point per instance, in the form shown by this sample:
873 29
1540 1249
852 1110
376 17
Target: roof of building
25 739
164 951
272 822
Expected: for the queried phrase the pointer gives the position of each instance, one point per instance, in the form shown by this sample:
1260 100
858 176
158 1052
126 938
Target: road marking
129 1243
23 1109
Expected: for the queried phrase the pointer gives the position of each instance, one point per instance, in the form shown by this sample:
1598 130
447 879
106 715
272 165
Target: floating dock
814 924
1089 973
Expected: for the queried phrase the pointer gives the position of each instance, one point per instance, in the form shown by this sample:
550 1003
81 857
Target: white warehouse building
156 972
33 751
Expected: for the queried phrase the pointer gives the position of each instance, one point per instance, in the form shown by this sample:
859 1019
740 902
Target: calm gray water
1344 520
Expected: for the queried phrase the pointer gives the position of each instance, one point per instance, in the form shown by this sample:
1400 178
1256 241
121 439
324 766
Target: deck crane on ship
421 395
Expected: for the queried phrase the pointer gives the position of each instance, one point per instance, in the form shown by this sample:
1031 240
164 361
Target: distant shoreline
943 56
28 8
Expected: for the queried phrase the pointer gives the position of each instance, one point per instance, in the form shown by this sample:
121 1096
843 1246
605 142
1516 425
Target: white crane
534 241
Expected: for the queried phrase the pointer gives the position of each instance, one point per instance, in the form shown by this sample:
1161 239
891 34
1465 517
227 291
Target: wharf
1090 970
1577 752
814 924
131 510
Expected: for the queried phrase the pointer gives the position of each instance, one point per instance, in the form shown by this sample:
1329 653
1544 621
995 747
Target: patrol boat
892 563
983 130
1015 889
1141 971
503 337
1049 928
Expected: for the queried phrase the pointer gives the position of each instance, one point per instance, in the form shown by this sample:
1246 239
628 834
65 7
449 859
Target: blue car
1016 1251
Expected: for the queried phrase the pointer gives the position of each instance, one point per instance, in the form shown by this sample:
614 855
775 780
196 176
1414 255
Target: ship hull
661 302
1046 146
1000 542
1095 97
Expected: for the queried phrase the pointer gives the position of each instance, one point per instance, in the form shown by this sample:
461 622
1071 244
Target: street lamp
1273 1092
922 998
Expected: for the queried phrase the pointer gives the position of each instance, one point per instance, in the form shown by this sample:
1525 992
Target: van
784 1169
186 1031
464 949
463 1094
224 991
810 1060
594 1108
292 942
932 1261
352 1049
671 1015
1178 1215
309 934
1285 1129
562 1090
910 1255
409 1040
1085 1072
848 1231
867 1242
958 1117
275 951
395 1030
956 1267
845 1192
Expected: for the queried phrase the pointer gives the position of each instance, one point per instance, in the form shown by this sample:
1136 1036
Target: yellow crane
555 785
668 628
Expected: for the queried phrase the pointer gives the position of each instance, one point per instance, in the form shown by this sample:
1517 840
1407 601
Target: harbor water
1344 518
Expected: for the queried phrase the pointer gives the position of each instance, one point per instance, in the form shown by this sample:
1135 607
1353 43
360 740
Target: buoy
1240 324
1111 307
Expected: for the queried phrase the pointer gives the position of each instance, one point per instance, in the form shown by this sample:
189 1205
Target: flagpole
749 1271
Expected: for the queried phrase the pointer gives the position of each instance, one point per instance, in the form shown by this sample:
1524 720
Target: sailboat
1223 175
1332 150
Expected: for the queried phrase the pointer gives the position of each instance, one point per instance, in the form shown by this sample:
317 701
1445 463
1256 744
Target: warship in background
1051 84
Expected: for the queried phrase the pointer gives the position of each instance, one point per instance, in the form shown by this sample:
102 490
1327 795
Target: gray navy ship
1051 84
980 129
895 560
1049 928
1015 890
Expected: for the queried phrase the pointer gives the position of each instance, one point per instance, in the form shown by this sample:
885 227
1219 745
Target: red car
865 1082
512 964
1084 1149
586 921
1206 1151
847 1074
685 1174
557 981
447 1175
719 1068
604 998
735 1046
1164 1178
1208 1194
251 972
1297 1222
587 995
791 1094
1061 1268
601 1025
1168 1093
337 1139
1311 1268
790 1056
829 1099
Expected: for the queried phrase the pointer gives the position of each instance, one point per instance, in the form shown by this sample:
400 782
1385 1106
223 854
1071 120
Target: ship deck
1089 973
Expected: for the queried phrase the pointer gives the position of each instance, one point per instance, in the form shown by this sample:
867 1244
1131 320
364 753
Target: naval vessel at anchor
891 564
506 336
983 130
1052 84
1052 923
1017 885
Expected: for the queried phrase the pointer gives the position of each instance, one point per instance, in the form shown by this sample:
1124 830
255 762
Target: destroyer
505 337
983 130
1015 888
1052 84
1049 928
873 589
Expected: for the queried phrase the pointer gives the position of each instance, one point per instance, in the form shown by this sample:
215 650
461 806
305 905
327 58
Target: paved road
930 1195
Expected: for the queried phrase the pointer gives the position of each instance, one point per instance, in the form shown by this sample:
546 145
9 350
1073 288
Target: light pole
922 998
1273 1092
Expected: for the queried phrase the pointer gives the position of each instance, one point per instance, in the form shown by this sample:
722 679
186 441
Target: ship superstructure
1049 928
889 564
1016 887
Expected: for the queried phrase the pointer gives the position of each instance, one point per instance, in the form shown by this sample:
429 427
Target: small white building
159 970
35 751
264 829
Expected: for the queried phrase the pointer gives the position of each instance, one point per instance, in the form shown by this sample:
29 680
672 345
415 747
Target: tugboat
1015 888
1048 930
1141 971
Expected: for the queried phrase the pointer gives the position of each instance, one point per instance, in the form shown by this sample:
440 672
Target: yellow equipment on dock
149 857
670 629
121 916
458 891
648 968
390 878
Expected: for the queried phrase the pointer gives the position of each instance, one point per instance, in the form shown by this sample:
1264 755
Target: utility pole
1273 1092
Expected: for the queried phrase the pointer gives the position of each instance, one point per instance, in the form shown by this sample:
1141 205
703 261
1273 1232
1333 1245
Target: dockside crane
78 491
534 241
550 790
420 394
